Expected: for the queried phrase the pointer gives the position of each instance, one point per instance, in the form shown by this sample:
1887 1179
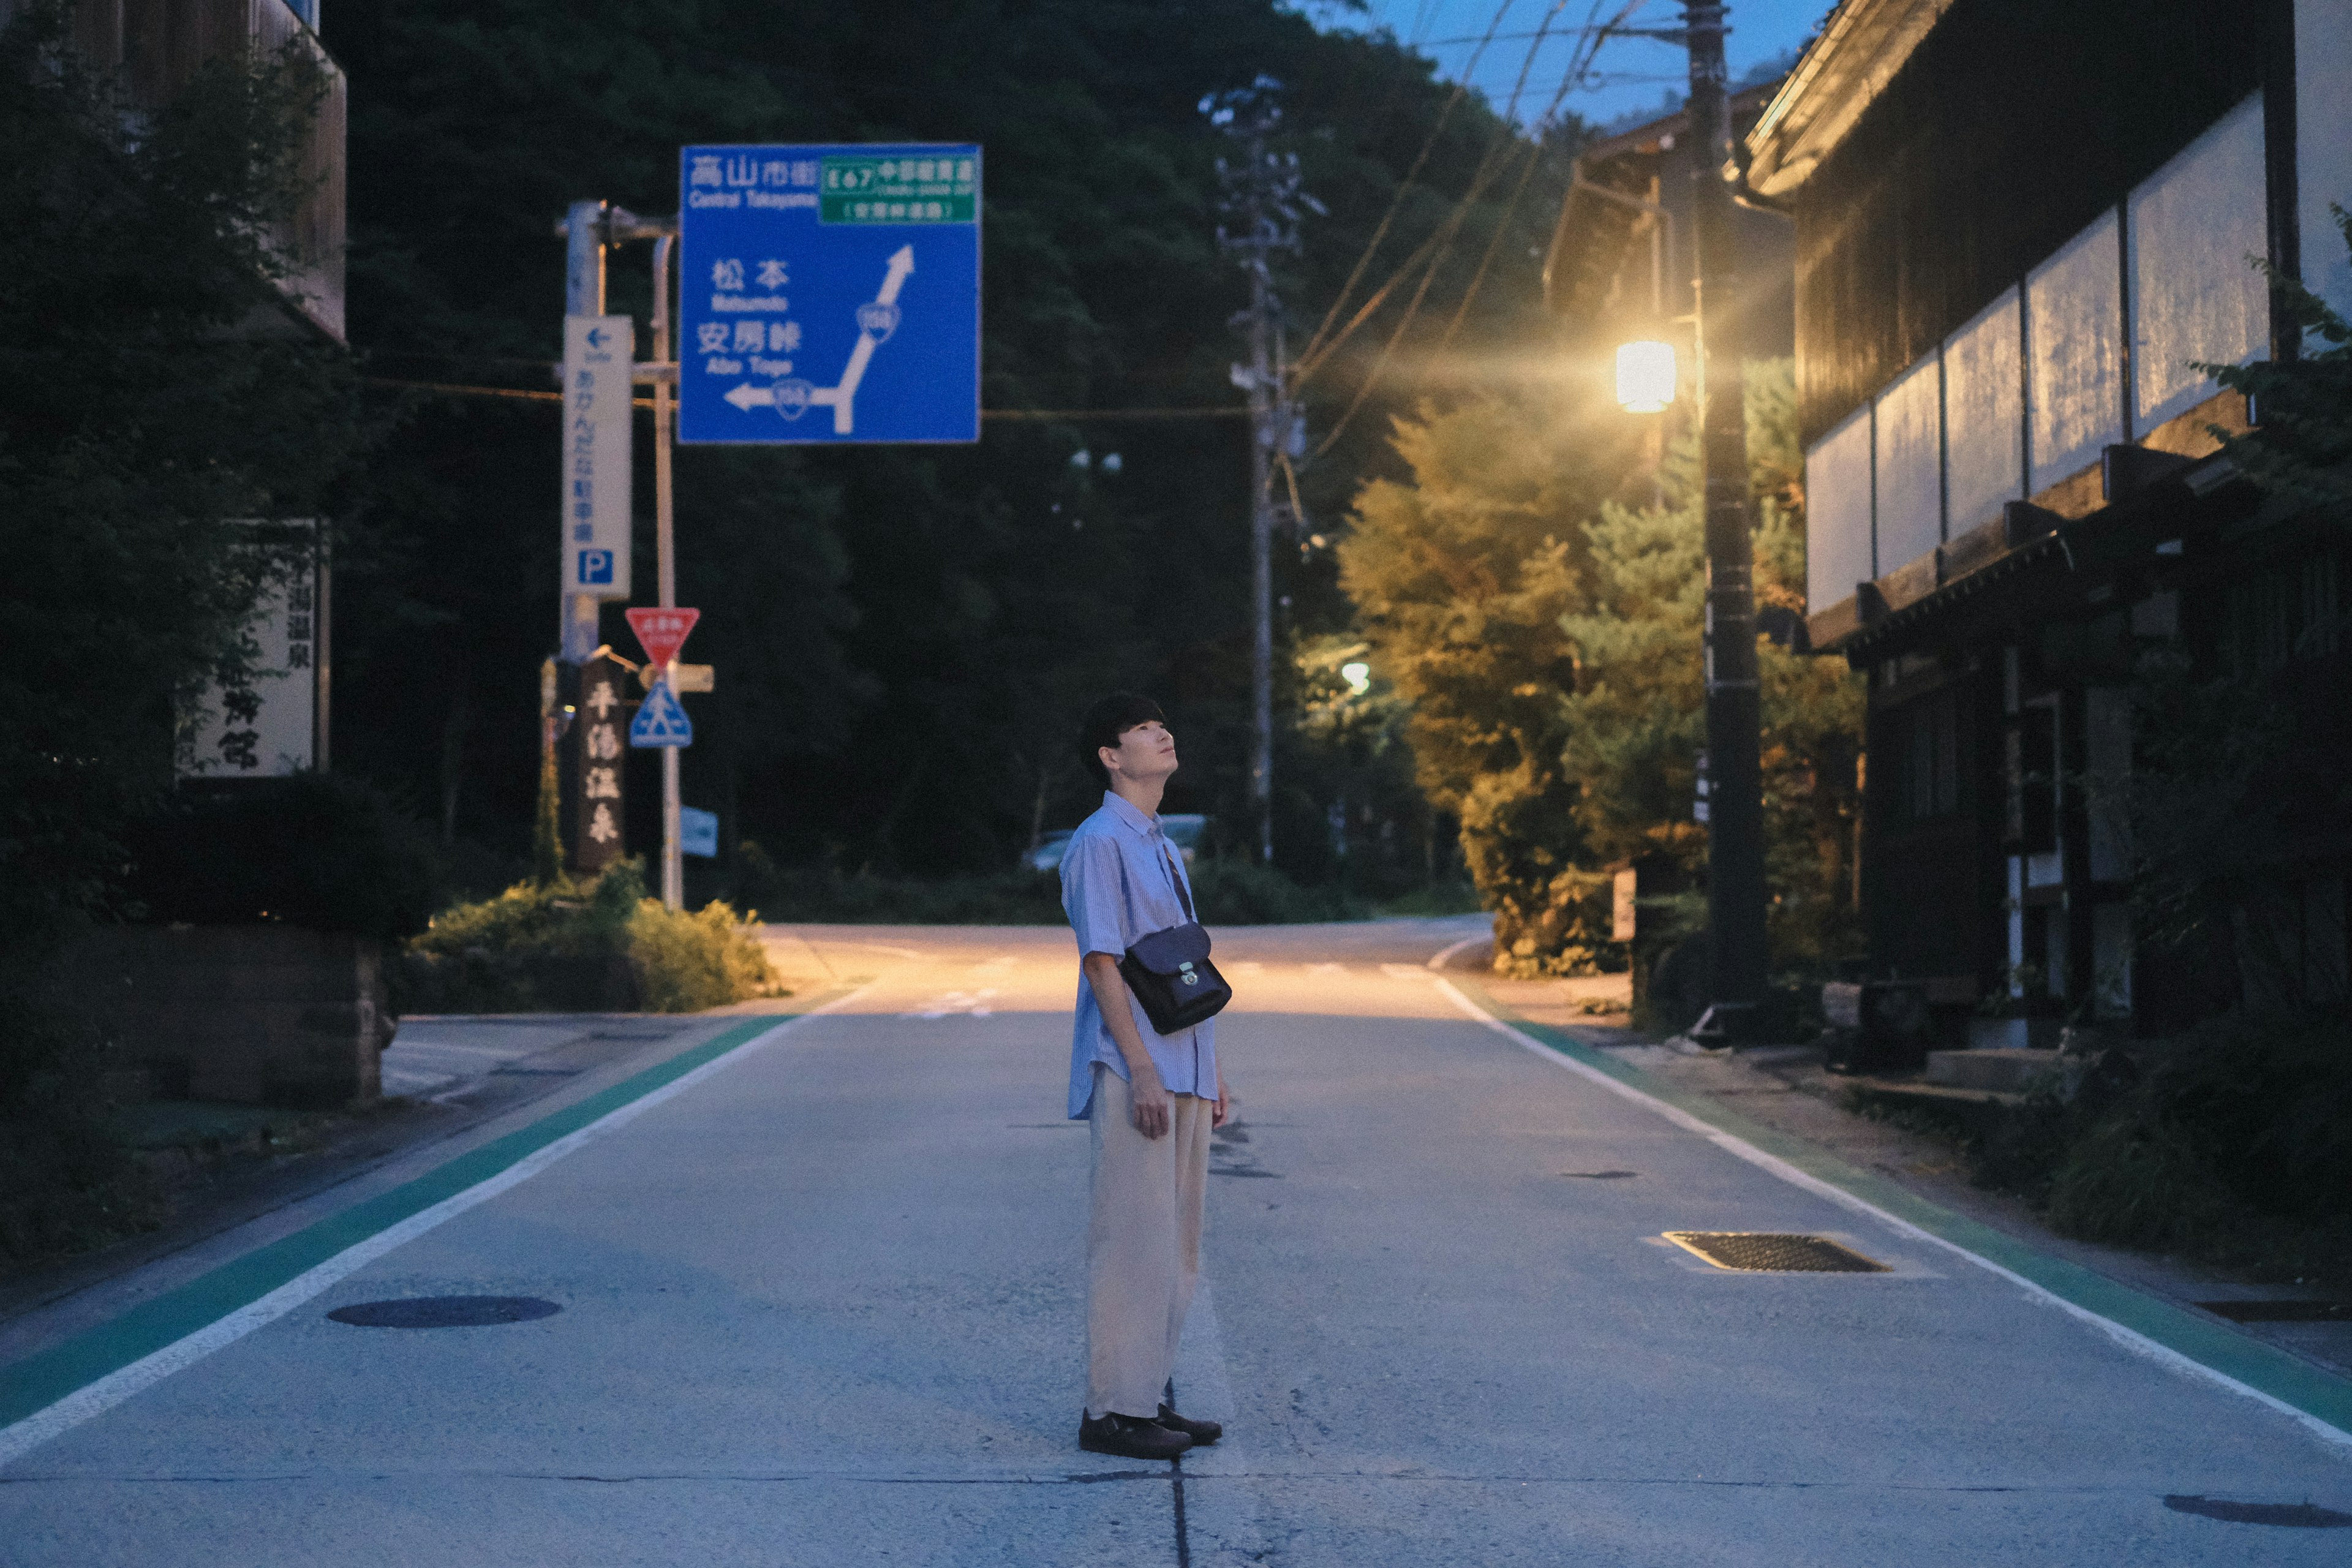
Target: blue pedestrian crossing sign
661 719
829 293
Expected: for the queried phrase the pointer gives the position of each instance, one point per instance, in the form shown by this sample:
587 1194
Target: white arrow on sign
875 323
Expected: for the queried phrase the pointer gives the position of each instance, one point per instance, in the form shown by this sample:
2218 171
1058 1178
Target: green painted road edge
41 1380
2286 1378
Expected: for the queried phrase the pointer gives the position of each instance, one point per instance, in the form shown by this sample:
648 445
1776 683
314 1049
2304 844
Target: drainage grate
2293 1515
1599 1175
2290 1311
445 1311
1770 1252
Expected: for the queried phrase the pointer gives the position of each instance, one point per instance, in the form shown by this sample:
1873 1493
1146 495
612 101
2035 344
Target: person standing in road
1151 1098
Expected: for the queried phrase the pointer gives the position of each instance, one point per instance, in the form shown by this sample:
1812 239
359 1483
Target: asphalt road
822 1306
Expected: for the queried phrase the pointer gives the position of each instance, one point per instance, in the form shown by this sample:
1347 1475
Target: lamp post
1735 817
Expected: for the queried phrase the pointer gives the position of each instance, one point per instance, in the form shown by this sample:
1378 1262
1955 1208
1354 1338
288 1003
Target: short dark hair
1106 722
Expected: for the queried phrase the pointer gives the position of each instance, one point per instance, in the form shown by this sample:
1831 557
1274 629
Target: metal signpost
661 721
829 293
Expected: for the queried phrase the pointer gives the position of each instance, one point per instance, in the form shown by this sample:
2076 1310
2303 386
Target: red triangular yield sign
662 632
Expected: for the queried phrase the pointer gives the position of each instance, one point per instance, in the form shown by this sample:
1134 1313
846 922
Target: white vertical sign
264 723
598 351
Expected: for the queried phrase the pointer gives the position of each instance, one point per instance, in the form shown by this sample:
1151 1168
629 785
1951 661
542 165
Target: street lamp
1645 376
1736 890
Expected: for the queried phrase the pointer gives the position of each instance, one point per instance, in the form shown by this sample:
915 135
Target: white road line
2130 1339
1438 959
1220 1497
93 1399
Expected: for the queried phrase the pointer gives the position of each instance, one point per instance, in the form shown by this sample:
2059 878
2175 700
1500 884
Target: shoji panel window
1909 465
1838 552
1984 417
2073 345
2195 295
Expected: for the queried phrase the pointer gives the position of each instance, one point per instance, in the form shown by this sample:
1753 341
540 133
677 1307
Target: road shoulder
2007 1243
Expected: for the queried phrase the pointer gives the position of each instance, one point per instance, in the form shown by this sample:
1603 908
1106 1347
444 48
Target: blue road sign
661 719
697 832
829 293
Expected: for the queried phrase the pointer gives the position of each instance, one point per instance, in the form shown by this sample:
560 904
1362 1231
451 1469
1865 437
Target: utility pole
673 876
584 236
589 228
1735 823
1261 206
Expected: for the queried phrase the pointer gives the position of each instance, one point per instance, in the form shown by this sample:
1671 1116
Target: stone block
262 1015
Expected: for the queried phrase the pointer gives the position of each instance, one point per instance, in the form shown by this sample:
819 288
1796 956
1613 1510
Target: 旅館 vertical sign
597 356
266 715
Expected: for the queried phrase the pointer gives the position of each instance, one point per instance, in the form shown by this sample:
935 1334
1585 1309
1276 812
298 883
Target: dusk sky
1634 73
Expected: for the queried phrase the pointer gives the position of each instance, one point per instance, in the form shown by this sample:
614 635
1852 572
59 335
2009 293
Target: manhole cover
2281 1311
1761 1251
445 1311
2293 1515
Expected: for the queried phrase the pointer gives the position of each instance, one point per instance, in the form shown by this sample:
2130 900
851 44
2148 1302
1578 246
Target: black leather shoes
1130 1436
1202 1432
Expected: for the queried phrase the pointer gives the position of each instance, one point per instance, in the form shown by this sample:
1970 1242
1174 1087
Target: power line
1590 37
1070 416
1396 201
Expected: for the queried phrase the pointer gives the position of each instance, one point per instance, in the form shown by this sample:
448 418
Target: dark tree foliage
154 395
902 635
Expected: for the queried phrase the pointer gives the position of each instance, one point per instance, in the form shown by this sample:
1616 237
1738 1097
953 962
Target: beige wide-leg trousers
1143 1244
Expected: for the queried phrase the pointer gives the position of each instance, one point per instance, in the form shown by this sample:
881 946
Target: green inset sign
899 190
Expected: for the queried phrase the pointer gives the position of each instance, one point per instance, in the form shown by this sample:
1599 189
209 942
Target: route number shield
829 293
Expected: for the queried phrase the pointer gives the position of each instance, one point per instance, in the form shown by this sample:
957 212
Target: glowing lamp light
1645 377
1359 678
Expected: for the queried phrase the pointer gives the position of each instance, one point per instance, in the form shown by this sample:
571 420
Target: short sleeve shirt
1119 881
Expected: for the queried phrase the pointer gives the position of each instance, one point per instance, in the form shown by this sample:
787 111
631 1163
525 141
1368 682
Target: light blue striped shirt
1119 876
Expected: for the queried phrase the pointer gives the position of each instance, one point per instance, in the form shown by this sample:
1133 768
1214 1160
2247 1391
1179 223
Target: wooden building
153 46
2020 229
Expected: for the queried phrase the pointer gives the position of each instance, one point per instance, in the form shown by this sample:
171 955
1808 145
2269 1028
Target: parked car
1047 854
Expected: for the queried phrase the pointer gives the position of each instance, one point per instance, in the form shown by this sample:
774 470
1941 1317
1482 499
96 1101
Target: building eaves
2198 497
1861 47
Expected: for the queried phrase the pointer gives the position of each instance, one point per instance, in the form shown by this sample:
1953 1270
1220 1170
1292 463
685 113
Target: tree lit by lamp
1645 376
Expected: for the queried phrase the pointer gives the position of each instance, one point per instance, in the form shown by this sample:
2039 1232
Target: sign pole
584 295
673 874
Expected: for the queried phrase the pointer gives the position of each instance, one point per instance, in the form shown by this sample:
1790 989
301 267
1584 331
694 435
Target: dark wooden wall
2014 126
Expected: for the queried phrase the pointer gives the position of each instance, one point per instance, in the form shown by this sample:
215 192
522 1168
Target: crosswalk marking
972 1004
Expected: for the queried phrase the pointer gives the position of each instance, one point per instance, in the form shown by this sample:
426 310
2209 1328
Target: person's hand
1155 1108
1224 1110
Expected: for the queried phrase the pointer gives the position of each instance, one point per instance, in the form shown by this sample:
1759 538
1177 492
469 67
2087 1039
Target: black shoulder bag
1171 974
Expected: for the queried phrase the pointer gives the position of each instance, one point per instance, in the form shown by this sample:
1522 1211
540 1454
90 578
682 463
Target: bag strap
1176 880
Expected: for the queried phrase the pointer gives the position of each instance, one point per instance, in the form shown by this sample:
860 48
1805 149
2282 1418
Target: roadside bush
825 895
66 1184
1225 891
2232 1142
689 960
582 943
323 851
1241 893
2256 1109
